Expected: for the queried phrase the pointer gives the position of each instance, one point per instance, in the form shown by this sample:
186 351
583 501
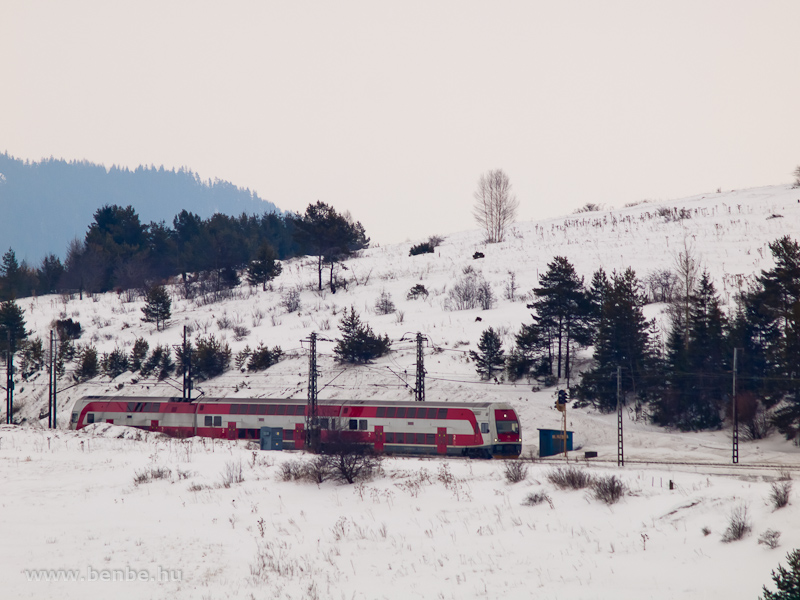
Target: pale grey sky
392 110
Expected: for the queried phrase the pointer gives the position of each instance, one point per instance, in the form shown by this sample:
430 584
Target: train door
154 425
299 435
379 438
441 440
231 430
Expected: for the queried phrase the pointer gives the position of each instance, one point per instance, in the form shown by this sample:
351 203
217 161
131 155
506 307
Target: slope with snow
405 533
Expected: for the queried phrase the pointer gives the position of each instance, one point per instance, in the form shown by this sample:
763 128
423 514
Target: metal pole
8 387
564 431
313 434
55 399
419 392
735 435
620 448
184 363
9 381
51 372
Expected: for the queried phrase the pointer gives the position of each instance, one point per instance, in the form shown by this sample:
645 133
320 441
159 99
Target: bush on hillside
67 329
159 363
210 358
114 363
88 365
423 248
263 358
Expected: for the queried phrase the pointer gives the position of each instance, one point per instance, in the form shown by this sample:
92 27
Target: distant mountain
44 205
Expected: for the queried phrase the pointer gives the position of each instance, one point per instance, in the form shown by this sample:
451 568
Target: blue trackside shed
550 445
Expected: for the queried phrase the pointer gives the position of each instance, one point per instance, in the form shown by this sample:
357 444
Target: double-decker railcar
483 429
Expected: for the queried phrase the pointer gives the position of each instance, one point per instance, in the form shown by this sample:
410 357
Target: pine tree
139 354
786 580
358 343
10 276
621 340
12 326
88 365
158 306
563 307
49 274
598 290
529 347
696 378
489 360
774 310
328 235
264 267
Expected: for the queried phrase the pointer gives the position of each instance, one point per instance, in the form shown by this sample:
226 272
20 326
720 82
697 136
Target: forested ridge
45 204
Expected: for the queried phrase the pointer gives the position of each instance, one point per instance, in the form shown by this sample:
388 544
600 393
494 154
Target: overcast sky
392 110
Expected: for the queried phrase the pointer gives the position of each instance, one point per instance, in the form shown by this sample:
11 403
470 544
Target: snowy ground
70 500
421 529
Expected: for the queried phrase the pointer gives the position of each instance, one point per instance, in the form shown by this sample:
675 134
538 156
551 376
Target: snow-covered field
423 528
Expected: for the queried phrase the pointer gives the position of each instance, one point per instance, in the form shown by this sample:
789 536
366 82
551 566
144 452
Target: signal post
561 406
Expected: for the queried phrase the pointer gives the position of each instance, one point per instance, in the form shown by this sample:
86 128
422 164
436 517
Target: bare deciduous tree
687 268
495 205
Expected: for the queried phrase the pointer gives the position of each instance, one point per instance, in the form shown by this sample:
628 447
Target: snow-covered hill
440 543
729 232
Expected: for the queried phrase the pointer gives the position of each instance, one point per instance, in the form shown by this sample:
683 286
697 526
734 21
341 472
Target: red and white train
482 429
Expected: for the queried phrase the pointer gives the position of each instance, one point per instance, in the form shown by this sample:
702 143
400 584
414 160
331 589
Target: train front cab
507 442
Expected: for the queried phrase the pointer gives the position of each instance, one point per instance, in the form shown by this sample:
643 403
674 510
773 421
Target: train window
362 424
391 412
262 410
401 413
442 414
271 409
218 421
353 425
282 409
431 413
389 437
288 434
90 418
420 438
131 406
323 423
252 409
449 439
301 410
484 428
507 427
430 438
208 421
234 409
381 411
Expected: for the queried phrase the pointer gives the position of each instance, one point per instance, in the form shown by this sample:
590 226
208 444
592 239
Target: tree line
119 252
44 201
684 381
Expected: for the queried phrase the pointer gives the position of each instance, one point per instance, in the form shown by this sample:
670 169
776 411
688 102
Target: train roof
348 402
